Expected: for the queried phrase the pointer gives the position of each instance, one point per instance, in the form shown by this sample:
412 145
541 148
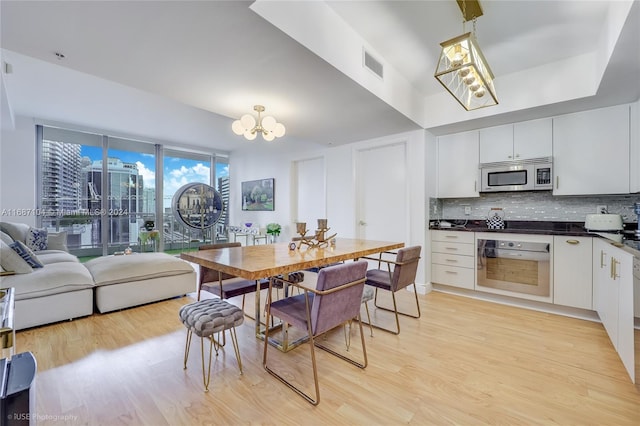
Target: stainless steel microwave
535 174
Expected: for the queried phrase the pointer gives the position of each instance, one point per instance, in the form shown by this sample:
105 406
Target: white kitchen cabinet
634 158
496 144
518 141
613 298
458 172
533 139
591 152
453 258
572 272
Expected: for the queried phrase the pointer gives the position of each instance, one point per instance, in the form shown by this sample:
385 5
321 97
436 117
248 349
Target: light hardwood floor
464 362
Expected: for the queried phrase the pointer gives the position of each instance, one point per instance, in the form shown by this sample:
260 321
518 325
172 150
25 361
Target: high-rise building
61 184
124 195
224 190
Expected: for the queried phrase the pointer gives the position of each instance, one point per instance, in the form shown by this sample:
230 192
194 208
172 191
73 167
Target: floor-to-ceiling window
101 190
131 180
69 199
179 169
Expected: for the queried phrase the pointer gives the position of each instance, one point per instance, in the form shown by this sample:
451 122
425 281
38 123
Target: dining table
258 262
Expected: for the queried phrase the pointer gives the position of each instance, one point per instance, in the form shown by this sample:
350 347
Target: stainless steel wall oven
515 265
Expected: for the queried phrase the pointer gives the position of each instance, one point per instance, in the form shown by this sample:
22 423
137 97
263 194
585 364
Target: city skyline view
177 171
76 196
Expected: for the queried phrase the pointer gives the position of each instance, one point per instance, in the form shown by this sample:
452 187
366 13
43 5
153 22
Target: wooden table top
262 261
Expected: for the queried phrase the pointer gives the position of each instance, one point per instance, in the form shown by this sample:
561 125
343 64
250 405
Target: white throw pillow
11 261
57 241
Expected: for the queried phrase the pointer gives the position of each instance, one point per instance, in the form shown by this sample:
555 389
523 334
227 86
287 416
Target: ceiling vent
372 64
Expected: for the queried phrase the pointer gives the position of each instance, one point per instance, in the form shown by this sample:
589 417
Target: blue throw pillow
37 239
26 253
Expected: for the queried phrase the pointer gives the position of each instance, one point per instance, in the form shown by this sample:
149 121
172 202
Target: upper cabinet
496 144
533 139
519 141
591 152
458 165
634 158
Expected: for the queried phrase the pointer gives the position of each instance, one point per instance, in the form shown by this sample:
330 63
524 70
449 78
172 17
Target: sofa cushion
5 237
135 267
36 239
57 241
56 256
17 231
52 279
11 261
26 253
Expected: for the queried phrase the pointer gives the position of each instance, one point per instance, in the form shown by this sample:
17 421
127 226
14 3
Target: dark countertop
519 227
576 229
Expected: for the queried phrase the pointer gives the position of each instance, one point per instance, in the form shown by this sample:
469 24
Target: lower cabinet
613 298
453 258
572 275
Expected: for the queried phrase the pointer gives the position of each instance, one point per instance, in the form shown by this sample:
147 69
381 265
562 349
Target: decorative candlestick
319 239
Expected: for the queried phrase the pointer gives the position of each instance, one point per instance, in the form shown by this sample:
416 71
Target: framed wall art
258 195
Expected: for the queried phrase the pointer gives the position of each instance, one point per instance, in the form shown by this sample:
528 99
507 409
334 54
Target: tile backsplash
533 206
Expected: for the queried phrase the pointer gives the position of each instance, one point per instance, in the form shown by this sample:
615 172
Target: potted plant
273 229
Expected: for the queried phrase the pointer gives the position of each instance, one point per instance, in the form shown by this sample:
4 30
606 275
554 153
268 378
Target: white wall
340 186
17 172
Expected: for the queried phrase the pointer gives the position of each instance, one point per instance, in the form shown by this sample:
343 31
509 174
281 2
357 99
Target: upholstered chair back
330 310
405 275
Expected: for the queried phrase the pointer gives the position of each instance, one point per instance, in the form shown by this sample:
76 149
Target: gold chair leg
395 310
186 348
206 379
415 293
347 334
350 360
236 347
308 398
366 307
217 344
315 370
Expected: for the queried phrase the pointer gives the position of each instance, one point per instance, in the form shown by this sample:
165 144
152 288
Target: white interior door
310 192
382 207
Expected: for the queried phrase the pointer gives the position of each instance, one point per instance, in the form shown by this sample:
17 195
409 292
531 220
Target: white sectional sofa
124 281
65 289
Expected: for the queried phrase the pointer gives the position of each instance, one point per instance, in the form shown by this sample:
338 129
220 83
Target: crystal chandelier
249 127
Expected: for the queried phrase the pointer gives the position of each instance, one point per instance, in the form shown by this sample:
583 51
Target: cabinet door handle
573 242
451 248
451 260
557 182
475 185
614 268
451 236
451 272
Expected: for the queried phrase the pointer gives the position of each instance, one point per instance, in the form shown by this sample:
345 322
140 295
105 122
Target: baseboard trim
566 311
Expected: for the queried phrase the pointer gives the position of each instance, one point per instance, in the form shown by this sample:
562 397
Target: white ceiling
182 71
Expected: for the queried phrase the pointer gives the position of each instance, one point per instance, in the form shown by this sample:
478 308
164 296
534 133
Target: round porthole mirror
197 205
